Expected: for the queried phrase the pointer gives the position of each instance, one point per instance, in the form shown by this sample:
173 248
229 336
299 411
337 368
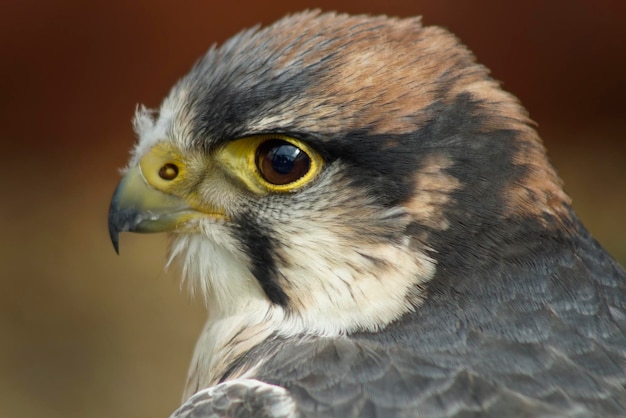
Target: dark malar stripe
258 245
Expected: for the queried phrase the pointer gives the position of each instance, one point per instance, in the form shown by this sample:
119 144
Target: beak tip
115 240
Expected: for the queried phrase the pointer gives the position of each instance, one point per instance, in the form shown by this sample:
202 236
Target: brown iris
280 162
168 172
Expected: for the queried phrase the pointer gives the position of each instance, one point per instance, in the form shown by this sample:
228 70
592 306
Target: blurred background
87 333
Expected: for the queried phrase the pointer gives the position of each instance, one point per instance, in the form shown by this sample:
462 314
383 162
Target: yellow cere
166 170
154 161
239 158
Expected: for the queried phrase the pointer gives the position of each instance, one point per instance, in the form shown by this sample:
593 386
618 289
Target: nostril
168 172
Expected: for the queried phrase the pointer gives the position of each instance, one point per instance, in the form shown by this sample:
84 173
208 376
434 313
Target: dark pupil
281 162
283 158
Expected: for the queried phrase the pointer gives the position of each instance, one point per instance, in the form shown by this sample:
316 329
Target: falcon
376 231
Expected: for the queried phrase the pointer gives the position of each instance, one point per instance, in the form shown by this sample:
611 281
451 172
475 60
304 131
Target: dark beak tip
116 244
114 223
115 239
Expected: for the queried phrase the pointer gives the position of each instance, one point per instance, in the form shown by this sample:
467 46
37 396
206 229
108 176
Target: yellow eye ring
271 163
275 153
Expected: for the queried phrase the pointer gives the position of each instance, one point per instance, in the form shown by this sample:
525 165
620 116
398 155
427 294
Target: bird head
328 167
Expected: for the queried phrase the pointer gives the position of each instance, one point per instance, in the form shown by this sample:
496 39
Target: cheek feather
339 283
212 269
344 261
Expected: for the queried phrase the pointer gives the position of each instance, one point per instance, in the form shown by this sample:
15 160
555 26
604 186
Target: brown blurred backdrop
87 333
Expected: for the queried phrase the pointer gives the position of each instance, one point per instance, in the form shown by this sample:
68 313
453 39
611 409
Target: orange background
87 333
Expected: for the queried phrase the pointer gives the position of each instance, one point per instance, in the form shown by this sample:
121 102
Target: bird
376 230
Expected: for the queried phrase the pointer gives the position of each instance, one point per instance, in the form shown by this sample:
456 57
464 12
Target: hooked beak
137 207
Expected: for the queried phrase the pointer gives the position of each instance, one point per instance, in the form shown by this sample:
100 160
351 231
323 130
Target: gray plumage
547 346
242 398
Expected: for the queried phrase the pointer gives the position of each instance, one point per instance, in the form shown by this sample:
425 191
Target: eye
270 163
168 172
280 162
